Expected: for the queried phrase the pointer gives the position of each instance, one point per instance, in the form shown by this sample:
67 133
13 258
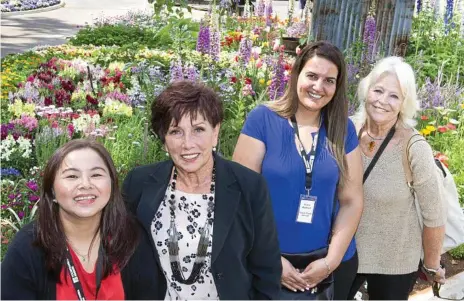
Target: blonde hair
403 71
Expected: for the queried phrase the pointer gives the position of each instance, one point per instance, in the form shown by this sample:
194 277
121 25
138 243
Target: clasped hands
303 280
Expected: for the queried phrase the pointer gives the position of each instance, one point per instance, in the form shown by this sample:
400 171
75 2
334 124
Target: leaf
7 222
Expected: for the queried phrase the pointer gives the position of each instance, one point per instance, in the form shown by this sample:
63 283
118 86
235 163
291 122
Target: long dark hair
117 228
336 110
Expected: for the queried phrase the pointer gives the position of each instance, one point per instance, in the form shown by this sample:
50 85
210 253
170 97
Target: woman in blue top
314 174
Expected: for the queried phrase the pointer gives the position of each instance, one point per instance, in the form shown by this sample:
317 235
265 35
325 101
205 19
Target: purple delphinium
449 15
278 82
203 41
176 70
369 38
215 44
432 97
268 12
244 51
352 71
259 12
191 73
419 6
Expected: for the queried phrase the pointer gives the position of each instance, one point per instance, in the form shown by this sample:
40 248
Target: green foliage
430 47
46 143
458 253
131 144
162 37
118 35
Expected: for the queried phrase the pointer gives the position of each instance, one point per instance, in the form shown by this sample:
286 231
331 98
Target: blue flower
9 172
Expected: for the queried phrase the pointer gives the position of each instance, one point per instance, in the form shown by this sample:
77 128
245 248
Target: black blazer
245 259
25 277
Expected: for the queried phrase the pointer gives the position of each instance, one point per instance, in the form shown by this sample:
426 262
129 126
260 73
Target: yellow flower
431 128
265 44
425 132
462 105
261 81
269 82
19 108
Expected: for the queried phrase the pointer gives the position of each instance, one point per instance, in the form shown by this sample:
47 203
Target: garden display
99 85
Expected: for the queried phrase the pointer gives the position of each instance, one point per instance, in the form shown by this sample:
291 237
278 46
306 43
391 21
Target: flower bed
24 5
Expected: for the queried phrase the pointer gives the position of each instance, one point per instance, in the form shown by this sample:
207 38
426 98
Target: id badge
306 209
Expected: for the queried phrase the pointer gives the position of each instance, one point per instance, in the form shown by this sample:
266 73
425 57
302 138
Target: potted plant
293 37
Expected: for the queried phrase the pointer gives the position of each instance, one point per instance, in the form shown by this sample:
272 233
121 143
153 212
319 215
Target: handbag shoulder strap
406 165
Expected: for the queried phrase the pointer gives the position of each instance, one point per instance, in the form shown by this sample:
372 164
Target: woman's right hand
291 277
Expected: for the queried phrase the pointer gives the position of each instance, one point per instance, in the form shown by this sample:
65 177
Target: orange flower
423 117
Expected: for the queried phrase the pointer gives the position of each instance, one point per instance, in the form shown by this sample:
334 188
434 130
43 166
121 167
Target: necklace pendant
371 146
83 258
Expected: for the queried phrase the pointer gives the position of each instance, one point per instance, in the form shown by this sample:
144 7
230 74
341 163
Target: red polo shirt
110 289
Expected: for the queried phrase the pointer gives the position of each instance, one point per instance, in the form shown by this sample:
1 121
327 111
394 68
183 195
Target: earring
214 148
54 201
167 154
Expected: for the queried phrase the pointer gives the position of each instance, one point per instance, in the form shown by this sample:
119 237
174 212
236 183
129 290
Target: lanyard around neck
308 160
75 278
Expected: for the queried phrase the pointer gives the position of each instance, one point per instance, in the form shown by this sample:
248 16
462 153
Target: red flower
451 126
75 116
442 129
70 129
233 79
91 100
48 101
288 67
248 81
423 117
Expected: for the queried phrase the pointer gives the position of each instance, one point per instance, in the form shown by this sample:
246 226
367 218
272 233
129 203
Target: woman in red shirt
82 245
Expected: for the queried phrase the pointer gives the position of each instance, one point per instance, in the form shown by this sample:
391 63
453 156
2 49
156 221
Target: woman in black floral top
210 219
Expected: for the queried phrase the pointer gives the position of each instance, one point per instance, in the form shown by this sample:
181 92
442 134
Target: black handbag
325 289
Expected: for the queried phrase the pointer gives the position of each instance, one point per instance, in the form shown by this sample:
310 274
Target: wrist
327 265
432 264
431 271
332 263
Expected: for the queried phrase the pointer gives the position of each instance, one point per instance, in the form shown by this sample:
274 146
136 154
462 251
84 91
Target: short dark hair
182 98
117 226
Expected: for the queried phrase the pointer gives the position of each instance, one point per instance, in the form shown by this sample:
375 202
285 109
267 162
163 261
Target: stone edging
33 11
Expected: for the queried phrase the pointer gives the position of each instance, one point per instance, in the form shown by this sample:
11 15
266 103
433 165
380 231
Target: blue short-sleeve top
284 171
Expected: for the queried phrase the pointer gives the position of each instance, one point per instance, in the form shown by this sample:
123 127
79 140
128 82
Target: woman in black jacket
84 244
210 219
